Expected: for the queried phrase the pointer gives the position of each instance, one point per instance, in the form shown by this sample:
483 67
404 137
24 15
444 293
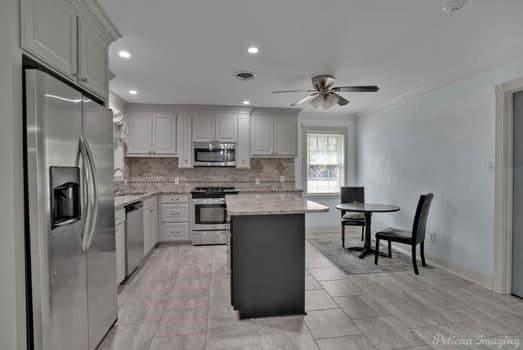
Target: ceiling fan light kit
325 94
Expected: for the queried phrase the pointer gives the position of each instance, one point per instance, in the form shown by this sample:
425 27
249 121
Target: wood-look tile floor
180 299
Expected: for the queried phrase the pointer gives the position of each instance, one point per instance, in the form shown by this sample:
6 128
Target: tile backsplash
153 174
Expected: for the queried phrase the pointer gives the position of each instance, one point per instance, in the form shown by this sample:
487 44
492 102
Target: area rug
351 264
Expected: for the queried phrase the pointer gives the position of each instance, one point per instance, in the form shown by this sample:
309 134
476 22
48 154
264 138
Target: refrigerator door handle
86 202
94 197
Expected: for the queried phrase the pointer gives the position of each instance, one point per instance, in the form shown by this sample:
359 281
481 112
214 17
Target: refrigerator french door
70 215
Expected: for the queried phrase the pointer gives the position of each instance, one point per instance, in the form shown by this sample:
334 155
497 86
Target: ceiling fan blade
362 88
342 101
287 91
305 99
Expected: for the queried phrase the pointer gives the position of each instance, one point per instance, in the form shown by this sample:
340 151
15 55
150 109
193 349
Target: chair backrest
420 220
352 195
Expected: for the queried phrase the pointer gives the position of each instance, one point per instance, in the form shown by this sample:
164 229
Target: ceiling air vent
244 75
451 6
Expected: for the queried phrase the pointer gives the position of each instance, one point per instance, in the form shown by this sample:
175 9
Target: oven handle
209 201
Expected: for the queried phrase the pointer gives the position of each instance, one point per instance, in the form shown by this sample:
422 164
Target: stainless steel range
208 215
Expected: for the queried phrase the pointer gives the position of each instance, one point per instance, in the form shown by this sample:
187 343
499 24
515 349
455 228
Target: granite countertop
271 204
121 201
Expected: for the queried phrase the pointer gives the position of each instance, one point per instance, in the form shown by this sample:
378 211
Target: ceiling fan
325 94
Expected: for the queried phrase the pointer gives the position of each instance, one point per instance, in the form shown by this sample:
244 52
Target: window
325 161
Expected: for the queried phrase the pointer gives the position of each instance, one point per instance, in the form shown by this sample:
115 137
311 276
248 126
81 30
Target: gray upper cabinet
151 135
93 65
226 127
49 32
184 141
72 38
243 149
215 127
164 135
203 128
285 136
262 135
139 135
274 135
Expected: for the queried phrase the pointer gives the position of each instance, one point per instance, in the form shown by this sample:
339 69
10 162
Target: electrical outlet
282 179
433 238
176 180
257 181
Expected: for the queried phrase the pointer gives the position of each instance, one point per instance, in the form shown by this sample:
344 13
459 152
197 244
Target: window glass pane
324 163
333 143
313 143
323 143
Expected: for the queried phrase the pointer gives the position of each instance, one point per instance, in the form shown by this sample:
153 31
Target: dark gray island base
268 265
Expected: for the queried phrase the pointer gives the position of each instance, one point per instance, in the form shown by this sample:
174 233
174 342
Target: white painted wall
12 288
441 142
326 221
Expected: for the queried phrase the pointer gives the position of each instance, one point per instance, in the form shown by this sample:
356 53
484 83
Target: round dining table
366 209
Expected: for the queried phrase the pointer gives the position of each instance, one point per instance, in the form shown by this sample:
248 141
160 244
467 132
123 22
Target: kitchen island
267 253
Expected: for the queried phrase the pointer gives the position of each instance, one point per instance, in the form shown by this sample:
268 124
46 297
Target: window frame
341 131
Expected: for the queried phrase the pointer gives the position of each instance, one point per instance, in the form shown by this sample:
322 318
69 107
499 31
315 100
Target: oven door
209 214
214 154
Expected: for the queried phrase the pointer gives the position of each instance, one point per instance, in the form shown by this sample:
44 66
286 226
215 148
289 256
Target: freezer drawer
209 237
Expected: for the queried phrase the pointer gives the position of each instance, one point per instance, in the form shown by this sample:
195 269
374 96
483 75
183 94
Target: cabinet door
154 225
262 135
226 127
164 135
147 234
243 151
93 60
120 252
184 141
285 136
49 32
139 135
203 128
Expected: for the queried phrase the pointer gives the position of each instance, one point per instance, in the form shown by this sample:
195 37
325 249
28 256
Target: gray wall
442 142
326 221
12 314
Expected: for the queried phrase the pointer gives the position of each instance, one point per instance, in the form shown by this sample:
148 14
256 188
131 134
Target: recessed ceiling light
133 92
253 50
246 102
124 54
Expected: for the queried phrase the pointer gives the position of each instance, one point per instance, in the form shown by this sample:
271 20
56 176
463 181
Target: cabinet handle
74 74
84 80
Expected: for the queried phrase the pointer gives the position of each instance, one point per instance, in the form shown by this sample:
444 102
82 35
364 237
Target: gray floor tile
327 273
318 300
353 342
330 323
341 288
388 333
182 322
182 342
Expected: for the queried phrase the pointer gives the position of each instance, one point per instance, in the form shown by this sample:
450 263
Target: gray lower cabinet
268 265
150 224
174 217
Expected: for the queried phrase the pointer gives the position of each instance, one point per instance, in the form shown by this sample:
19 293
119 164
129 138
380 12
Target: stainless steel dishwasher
133 237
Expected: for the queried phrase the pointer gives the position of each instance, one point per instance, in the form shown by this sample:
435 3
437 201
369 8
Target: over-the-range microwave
214 154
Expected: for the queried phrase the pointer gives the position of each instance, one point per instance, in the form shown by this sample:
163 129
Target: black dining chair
352 195
417 236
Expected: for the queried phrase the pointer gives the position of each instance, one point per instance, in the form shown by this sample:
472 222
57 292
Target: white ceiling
186 51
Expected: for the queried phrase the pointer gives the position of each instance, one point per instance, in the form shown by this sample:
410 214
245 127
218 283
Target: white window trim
323 130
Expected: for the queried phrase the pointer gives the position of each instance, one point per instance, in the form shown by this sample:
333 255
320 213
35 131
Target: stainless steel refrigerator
70 215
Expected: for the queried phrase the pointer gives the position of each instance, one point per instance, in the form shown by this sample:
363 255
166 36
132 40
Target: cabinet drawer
175 213
175 232
174 198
